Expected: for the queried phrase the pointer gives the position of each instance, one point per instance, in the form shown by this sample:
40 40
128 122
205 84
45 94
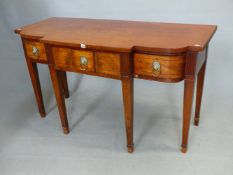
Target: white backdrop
158 106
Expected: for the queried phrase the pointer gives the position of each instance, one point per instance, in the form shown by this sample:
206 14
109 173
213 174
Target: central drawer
73 60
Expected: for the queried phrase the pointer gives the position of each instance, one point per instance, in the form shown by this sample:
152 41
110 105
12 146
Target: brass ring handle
35 51
156 68
83 63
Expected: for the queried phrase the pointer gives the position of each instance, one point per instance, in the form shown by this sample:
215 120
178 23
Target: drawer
35 50
107 63
162 67
73 60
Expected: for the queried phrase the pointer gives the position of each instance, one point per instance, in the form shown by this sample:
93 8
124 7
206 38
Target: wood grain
57 86
64 83
34 75
66 58
57 78
187 110
33 72
189 83
200 85
29 44
119 35
172 67
107 63
126 67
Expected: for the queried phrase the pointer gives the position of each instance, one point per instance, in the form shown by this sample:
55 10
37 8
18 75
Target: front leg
187 110
200 84
34 75
127 89
58 90
189 82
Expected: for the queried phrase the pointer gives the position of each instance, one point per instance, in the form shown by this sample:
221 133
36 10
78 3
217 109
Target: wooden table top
118 35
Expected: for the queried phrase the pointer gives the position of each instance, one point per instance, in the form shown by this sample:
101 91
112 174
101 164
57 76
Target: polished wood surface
121 36
122 50
187 110
41 50
64 83
32 62
66 58
189 82
33 72
107 63
126 67
34 75
56 77
200 85
172 67
127 91
57 86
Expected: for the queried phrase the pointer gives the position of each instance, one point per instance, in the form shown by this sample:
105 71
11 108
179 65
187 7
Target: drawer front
164 67
73 60
35 50
107 63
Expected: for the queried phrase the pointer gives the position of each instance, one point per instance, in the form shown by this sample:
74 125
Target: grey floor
96 145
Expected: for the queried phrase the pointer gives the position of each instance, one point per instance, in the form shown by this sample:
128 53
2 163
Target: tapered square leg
200 84
33 72
58 90
128 89
187 110
65 84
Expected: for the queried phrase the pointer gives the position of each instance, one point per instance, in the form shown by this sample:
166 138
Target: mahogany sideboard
123 50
